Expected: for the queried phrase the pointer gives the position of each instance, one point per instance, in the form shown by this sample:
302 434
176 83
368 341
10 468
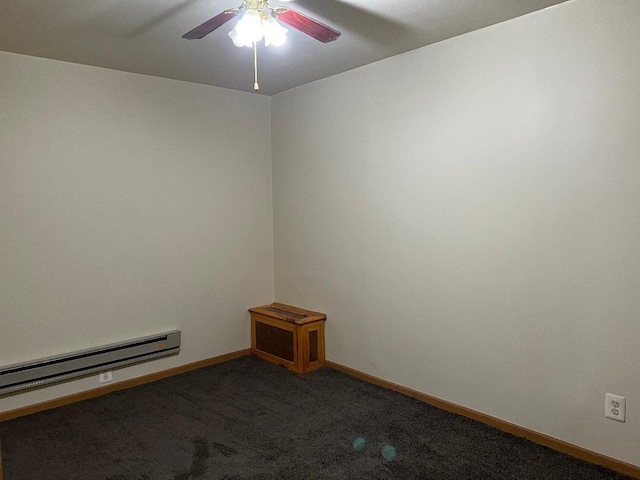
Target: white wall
129 205
468 216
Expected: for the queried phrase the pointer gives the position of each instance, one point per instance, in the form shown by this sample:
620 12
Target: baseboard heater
36 373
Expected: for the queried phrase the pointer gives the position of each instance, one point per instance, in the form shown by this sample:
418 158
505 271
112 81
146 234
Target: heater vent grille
40 372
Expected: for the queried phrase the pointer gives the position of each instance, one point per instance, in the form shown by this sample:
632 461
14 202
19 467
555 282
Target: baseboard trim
113 387
540 438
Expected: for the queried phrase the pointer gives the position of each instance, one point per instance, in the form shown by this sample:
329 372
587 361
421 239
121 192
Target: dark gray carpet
249 419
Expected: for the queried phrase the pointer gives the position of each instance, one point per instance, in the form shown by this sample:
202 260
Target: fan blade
360 20
210 25
307 25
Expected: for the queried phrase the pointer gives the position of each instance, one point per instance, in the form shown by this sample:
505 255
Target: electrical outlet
615 407
105 377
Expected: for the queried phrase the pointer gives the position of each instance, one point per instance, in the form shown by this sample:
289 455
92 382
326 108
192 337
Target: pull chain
256 87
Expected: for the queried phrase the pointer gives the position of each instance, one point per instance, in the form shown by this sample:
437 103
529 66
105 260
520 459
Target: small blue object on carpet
359 444
388 453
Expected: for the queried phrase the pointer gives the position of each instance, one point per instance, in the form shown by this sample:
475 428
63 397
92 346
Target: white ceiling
144 36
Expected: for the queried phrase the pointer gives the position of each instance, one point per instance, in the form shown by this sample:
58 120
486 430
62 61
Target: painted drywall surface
129 205
467 215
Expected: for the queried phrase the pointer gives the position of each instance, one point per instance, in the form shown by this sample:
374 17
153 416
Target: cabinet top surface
288 313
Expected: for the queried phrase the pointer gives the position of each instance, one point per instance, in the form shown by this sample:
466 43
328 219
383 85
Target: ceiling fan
260 20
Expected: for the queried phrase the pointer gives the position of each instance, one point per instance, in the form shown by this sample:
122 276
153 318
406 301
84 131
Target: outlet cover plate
615 407
105 377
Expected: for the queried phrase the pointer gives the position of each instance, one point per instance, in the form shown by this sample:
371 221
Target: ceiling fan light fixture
274 33
254 26
240 40
249 28
261 20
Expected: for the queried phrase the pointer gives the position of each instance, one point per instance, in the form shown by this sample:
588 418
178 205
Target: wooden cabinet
288 336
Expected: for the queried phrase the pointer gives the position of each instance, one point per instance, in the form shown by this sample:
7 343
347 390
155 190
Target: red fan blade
307 25
210 25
